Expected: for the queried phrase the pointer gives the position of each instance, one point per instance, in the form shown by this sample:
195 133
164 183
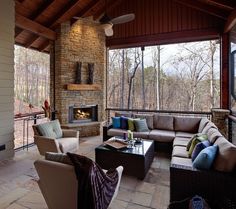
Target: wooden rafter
44 46
224 4
231 21
45 5
217 12
34 27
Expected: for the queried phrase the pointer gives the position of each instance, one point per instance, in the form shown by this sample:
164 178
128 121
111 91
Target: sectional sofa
217 184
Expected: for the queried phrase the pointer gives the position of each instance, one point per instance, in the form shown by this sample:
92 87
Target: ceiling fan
107 22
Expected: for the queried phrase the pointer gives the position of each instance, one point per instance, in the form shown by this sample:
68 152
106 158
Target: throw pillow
195 141
58 157
57 128
206 158
116 122
195 136
124 122
141 125
131 126
199 147
46 129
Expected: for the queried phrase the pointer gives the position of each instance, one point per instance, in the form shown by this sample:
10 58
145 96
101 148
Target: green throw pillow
131 126
195 140
193 137
141 125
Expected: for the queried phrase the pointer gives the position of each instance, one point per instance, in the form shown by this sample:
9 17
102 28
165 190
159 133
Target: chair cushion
203 123
184 134
143 135
162 135
148 117
205 158
69 144
179 151
58 157
182 161
141 125
116 122
181 141
199 147
186 124
50 129
124 122
116 132
226 158
163 122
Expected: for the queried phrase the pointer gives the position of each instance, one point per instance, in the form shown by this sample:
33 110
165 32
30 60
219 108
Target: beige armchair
58 184
65 141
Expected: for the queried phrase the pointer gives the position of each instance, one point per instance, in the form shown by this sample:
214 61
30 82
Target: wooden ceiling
37 20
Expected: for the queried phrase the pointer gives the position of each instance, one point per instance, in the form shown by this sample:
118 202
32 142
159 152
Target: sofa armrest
105 129
70 133
46 144
186 182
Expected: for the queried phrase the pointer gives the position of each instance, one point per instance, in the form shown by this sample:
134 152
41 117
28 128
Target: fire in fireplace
83 114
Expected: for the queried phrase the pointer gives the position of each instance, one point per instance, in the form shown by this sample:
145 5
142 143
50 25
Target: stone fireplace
84 42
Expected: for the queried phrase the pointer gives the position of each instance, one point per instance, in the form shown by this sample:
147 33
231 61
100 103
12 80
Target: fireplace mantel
84 87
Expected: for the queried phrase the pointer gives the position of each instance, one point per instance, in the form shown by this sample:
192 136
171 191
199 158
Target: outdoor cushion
213 134
116 132
197 139
199 147
203 123
184 134
182 161
143 135
181 141
131 126
163 122
186 124
141 125
124 122
116 122
162 135
208 126
226 158
199 135
205 158
68 144
58 157
148 117
179 151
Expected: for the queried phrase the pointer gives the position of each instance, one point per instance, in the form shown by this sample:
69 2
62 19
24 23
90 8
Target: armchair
49 137
58 184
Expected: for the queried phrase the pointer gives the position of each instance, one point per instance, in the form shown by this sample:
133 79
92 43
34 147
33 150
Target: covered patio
72 33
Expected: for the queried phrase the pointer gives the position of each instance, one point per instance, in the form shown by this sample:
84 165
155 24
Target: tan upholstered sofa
58 184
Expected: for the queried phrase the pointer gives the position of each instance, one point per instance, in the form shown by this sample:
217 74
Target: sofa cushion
199 147
116 122
186 124
199 135
182 161
131 126
148 117
69 144
205 158
143 135
226 158
203 123
58 157
208 126
141 125
163 122
197 139
213 134
116 132
162 135
179 151
123 122
184 134
181 141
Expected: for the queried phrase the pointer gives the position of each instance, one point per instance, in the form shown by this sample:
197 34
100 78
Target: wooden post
225 90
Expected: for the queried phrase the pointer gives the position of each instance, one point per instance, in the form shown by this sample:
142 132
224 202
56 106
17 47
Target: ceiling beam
231 21
224 4
34 27
204 8
43 46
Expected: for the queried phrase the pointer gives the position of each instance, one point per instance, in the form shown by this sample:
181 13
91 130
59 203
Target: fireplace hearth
83 114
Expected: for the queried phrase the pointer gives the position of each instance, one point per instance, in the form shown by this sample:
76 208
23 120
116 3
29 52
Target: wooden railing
232 128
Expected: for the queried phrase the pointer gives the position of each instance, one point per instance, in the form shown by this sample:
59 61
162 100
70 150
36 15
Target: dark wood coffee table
136 161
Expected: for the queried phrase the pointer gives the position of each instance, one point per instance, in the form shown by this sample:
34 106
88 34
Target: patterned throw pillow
58 157
141 125
199 147
124 122
206 157
116 122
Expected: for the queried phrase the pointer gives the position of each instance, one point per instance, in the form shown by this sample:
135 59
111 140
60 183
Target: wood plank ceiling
36 21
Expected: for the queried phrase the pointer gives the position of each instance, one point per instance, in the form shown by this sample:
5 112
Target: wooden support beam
34 27
231 21
204 8
44 46
224 4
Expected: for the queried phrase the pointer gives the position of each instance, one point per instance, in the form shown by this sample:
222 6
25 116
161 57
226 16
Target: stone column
220 119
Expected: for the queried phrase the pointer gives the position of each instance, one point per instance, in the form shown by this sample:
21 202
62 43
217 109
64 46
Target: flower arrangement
47 109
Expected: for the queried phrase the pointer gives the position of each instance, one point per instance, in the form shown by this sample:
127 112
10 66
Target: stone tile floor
19 189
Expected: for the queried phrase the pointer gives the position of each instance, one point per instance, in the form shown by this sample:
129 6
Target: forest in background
31 80
182 77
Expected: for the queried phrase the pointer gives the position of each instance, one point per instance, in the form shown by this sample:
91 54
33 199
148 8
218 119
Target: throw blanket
95 187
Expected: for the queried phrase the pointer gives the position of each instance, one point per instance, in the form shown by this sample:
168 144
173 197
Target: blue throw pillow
206 157
199 147
116 122
124 122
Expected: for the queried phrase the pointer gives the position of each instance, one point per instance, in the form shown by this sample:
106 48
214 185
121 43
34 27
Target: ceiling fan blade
123 19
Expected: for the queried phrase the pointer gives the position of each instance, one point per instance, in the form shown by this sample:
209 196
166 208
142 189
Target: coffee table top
138 149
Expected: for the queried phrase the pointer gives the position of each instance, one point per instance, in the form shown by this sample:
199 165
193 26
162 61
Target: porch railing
232 128
110 112
23 128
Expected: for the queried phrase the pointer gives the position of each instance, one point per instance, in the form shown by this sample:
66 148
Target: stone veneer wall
84 42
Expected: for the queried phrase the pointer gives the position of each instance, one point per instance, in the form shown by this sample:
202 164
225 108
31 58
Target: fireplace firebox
83 114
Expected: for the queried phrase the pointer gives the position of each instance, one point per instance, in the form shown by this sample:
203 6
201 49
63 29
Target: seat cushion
179 151
162 135
143 135
184 134
182 161
69 144
181 141
116 132
163 122
148 117
226 157
186 124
